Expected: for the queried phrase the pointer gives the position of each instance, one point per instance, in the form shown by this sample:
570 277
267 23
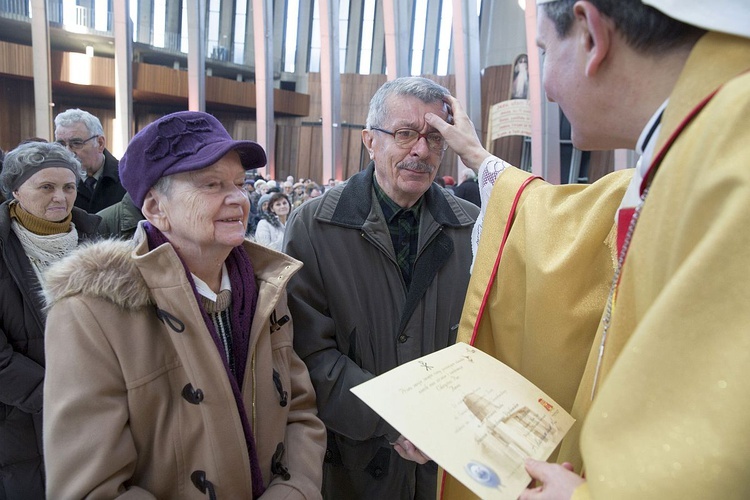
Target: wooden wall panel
77 68
16 60
600 164
17 120
496 82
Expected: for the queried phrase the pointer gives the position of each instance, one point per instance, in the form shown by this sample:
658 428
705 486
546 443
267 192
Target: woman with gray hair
38 225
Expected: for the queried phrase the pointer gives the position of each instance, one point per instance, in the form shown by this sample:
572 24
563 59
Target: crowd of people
174 326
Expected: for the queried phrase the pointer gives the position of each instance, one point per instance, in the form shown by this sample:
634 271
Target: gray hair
27 159
163 186
423 89
71 117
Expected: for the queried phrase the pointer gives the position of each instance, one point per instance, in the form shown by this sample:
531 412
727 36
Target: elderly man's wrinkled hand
460 134
408 451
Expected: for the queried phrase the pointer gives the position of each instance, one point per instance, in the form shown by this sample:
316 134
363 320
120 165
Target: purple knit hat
180 142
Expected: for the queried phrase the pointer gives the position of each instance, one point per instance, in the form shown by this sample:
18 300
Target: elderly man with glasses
387 257
82 133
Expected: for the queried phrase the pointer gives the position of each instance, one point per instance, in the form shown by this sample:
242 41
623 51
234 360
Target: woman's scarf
244 301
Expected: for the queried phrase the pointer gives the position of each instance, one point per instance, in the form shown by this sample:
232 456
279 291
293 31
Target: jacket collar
350 205
125 272
110 166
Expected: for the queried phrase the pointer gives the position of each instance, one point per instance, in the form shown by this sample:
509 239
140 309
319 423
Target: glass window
240 22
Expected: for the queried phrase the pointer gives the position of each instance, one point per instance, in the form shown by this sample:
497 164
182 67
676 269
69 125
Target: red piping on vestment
499 254
492 279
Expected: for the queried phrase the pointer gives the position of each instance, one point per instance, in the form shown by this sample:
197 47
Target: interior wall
298 140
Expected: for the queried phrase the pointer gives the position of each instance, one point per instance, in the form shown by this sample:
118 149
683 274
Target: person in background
120 220
82 133
450 183
272 225
38 226
656 257
298 194
288 189
2 156
468 189
399 247
312 191
176 351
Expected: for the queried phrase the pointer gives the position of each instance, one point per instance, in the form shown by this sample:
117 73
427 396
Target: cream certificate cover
473 415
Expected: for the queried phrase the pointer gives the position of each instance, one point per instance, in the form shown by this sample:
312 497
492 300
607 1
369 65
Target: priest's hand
556 482
460 134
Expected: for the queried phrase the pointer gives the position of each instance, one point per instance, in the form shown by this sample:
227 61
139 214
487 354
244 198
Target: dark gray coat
22 362
355 316
108 190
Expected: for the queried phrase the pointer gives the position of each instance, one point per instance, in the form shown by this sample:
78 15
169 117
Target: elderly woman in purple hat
174 376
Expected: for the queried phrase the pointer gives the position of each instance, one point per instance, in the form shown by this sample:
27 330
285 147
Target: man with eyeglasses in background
387 257
82 133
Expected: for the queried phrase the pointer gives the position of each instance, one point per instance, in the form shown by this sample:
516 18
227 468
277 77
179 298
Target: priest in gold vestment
627 300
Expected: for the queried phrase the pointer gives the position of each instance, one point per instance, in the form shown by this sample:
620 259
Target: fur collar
103 269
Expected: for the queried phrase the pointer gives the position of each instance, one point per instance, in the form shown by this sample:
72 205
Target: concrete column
377 63
279 21
123 126
41 70
432 29
196 21
330 82
466 61
263 31
354 37
250 35
396 21
625 158
303 42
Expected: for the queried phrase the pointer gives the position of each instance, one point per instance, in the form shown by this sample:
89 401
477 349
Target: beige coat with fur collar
116 421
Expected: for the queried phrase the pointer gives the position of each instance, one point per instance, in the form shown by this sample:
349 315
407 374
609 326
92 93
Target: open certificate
473 415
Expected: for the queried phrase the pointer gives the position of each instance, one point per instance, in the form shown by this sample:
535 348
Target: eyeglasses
75 144
406 138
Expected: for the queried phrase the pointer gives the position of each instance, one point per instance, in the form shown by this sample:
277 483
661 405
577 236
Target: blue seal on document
483 474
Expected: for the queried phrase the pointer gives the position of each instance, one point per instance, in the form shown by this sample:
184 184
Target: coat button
402 338
329 455
377 473
193 396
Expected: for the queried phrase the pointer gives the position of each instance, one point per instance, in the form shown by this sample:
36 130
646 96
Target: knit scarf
37 225
272 219
244 301
42 248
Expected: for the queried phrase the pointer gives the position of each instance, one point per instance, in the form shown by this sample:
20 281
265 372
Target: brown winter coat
128 350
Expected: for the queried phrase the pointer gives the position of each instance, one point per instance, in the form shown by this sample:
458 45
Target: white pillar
396 22
41 69
330 83
466 62
263 42
196 20
123 126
